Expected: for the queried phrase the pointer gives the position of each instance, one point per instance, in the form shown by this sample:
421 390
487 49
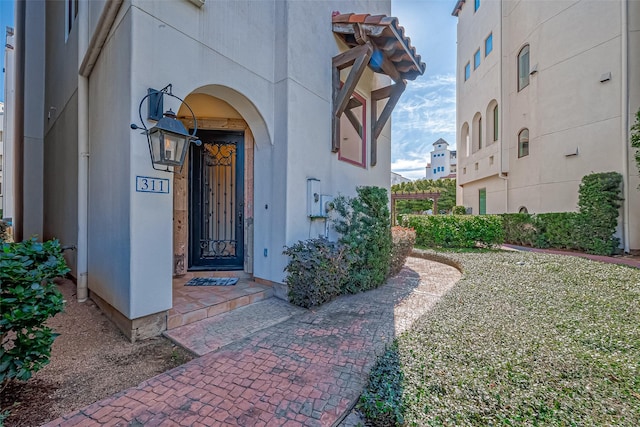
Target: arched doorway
213 195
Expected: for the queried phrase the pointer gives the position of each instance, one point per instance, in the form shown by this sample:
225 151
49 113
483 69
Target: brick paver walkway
306 371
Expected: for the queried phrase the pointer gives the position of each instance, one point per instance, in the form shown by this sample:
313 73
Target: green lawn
525 339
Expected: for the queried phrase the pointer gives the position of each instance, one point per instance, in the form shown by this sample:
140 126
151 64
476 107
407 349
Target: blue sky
427 109
6 20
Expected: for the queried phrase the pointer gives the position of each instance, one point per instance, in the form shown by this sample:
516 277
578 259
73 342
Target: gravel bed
527 339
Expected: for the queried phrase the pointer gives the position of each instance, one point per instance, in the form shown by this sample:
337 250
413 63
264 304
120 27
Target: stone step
255 293
210 334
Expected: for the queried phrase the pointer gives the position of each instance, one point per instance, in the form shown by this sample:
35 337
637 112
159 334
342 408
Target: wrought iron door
216 189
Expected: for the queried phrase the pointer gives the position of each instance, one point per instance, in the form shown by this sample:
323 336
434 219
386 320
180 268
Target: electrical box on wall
314 207
318 205
327 204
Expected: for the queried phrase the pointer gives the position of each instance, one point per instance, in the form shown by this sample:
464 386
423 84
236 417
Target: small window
467 71
464 171
476 5
476 59
71 13
523 210
491 160
523 68
476 166
488 45
523 143
495 123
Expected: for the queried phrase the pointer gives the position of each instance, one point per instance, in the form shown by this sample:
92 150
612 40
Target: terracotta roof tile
386 34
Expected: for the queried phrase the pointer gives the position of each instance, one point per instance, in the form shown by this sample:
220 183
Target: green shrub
381 401
456 231
364 226
520 229
28 298
4 231
599 201
557 230
317 270
459 210
635 140
402 243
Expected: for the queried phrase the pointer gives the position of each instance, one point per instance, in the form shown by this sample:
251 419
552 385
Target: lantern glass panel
171 149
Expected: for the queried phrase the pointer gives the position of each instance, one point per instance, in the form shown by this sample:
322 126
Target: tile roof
386 34
458 7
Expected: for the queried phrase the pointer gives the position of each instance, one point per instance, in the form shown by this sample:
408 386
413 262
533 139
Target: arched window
523 143
492 122
523 68
495 122
523 209
476 129
464 139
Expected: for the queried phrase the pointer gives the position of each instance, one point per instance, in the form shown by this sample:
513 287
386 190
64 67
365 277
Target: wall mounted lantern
168 139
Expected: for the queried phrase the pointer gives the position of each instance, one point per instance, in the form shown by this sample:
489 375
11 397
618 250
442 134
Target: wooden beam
345 59
344 94
392 92
354 121
358 57
396 92
390 69
382 93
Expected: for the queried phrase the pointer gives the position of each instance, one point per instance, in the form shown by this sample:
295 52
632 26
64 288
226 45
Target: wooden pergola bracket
393 92
357 58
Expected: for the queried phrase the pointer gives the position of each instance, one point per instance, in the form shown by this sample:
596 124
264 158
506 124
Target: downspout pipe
501 173
624 122
88 53
83 159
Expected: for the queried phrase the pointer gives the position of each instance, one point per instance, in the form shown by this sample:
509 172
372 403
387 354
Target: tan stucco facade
577 99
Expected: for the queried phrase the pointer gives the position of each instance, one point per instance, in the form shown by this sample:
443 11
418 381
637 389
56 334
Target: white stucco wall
269 60
110 145
60 200
32 173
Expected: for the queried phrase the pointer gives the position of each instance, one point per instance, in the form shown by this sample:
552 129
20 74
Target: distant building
546 93
396 178
444 162
1 147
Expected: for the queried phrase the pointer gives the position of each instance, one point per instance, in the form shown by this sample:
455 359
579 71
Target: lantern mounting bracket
167 125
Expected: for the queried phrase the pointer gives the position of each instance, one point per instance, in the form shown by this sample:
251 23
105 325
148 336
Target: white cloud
425 113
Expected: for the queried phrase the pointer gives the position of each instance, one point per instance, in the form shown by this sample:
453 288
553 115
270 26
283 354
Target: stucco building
546 94
444 162
291 101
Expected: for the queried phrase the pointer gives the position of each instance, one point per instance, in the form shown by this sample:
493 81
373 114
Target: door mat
212 281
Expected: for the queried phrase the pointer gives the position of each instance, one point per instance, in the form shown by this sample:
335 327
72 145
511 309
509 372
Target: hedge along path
307 371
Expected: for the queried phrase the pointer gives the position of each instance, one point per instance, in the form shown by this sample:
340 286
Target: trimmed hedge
590 230
456 231
557 230
402 243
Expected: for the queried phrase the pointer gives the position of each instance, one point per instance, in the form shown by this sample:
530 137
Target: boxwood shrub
456 231
403 240
317 271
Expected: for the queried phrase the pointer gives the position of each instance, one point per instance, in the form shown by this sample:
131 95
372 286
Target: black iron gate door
216 193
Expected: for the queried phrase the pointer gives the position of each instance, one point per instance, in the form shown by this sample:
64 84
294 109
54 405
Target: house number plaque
147 184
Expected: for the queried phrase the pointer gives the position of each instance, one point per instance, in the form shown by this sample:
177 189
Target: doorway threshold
194 303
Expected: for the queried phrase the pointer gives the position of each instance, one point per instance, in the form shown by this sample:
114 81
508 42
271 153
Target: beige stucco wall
566 107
